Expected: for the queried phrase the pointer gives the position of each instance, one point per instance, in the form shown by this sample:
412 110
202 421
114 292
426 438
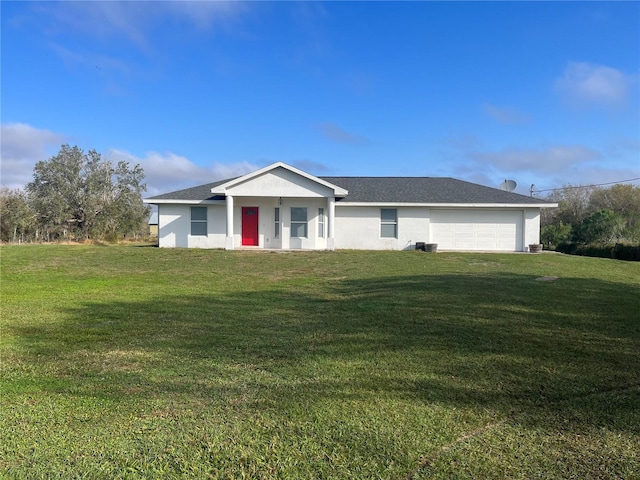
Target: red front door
250 226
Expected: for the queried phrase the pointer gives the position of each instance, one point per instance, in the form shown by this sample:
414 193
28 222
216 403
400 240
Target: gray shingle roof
387 190
423 190
197 194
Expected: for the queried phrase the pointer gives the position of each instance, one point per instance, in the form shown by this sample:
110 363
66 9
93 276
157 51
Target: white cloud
21 147
553 165
207 14
310 166
587 85
166 172
336 134
595 174
89 59
506 115
133 20
553 159
546 166
97 19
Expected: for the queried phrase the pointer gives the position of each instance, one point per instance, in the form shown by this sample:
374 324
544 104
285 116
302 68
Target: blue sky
545 93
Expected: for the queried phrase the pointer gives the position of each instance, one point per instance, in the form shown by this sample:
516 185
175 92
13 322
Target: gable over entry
277 188
282 207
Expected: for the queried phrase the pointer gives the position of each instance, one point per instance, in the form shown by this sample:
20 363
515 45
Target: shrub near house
594 222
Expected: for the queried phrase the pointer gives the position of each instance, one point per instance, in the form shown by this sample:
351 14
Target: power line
582 186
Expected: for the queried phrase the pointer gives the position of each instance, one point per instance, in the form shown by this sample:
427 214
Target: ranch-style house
282 207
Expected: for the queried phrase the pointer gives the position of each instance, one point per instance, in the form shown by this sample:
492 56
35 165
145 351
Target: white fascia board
221 189
151 201
446 205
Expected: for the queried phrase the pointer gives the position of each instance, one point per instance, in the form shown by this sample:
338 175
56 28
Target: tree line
592 216
76 195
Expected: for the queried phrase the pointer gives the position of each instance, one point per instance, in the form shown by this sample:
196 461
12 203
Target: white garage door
477 230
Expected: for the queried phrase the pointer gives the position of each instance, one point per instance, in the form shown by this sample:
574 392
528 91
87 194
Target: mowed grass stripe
138 362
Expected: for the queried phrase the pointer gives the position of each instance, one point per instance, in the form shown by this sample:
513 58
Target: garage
499 230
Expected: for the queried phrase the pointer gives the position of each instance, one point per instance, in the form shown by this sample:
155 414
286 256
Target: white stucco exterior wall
356 227
531 227
174 227
359 228
413 226
174 224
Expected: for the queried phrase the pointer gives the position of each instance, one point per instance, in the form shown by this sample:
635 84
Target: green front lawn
138 362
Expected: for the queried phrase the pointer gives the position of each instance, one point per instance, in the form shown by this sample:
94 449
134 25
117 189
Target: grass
134 362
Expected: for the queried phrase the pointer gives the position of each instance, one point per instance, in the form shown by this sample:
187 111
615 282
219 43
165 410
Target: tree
17 218
54 192
603 227
573 205
593 215
624 200
80 195
555 234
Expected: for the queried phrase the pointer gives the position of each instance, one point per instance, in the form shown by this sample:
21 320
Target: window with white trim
298 222
276 223
321 222
389 222
198 220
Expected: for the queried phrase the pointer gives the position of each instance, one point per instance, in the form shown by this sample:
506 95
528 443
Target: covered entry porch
280 223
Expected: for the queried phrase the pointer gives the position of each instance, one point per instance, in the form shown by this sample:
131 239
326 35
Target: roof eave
159 201
445 204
